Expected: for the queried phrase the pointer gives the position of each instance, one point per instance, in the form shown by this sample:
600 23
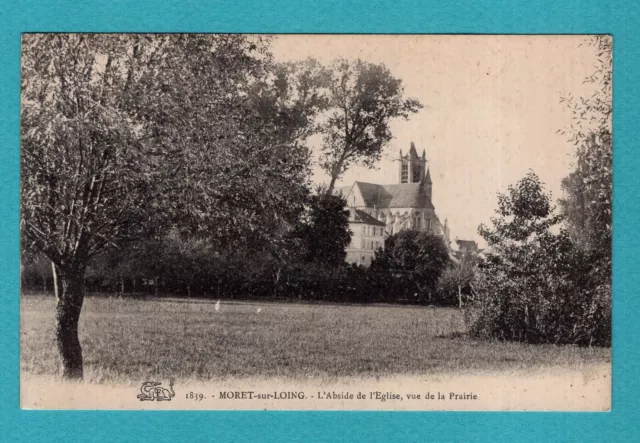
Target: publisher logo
153 390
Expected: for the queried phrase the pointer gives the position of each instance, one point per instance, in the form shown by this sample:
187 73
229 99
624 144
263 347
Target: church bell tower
412 166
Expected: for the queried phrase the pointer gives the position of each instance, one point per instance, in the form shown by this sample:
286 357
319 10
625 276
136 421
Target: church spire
412 151
427 178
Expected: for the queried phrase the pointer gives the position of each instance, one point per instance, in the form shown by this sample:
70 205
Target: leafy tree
524 213
362 100
538 287
295 97
587 202
325 232
524 217
124 136
418 256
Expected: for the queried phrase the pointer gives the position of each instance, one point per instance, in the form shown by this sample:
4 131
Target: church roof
362 217
344 190
405 195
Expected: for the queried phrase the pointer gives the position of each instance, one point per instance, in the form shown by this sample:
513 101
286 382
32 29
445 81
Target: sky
491 111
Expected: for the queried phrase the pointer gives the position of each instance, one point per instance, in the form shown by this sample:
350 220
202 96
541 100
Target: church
404 205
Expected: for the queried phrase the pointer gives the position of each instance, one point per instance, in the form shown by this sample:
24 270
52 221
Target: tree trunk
459 296
335 172
332 184
55 280
276 280
69 284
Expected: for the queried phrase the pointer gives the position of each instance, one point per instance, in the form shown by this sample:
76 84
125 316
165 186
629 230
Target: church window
405 173
417 174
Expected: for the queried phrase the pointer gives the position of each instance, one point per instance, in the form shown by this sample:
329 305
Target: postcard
316 222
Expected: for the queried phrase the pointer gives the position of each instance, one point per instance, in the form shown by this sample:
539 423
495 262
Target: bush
541 287
567 304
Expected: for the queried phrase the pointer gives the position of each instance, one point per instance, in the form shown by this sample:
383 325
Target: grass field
131 339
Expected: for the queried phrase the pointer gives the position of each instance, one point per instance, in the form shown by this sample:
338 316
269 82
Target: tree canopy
132 136
325 231
587 202
419 255
363 98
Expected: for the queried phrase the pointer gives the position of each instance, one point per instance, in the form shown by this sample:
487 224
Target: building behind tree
404 205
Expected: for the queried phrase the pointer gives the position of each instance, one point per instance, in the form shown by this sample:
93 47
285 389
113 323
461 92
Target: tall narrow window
417 174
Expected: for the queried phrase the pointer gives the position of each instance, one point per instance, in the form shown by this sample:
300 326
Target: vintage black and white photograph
295 222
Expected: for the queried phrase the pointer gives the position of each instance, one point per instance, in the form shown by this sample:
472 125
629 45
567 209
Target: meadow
126 340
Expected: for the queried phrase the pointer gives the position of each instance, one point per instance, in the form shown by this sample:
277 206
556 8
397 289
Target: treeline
309 265
314 269
301 282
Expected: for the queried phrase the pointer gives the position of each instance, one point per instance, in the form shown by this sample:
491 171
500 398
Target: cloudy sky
491 110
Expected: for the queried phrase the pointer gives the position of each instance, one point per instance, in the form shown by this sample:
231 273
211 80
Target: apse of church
404 205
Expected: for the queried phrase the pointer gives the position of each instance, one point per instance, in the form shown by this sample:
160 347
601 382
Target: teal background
330 16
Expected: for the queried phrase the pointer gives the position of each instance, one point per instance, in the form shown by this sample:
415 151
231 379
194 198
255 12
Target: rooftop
358 216
405 195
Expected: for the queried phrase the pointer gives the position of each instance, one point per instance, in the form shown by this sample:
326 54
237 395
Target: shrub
541 287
